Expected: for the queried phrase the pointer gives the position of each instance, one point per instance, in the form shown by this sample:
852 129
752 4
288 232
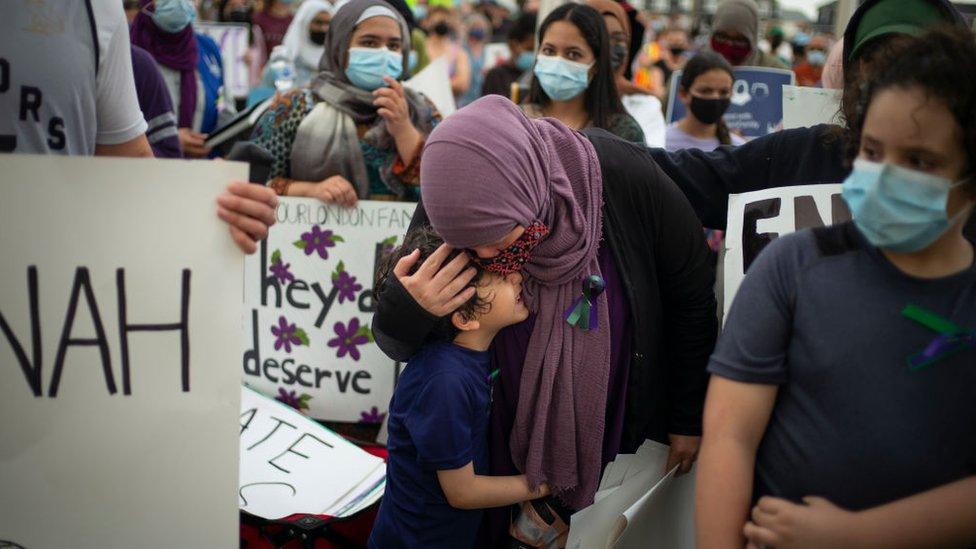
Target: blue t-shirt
438 421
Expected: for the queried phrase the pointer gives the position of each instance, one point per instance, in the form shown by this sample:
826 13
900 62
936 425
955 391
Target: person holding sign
846 368
573 76
356 132
620 291
705 89
436 475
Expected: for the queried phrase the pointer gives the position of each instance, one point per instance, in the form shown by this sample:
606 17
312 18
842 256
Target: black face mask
317 37
239 15
708 111
677 52
618 52
442 29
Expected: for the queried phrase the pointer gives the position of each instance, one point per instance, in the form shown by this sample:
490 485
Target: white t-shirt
646 110
54 99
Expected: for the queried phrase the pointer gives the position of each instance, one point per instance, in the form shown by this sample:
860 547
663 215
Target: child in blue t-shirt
438 430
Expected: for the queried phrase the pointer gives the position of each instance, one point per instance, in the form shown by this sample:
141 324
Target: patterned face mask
511 259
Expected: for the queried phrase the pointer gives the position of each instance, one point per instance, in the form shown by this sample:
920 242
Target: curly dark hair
940 62
427 241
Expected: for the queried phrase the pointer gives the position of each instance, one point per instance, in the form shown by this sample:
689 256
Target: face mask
172 16
560 78
239 15
368 66
517 254
732 52
420 12
442 29
478 35
618 53
677 52
525 60
316 37
898 209
816 58
708 111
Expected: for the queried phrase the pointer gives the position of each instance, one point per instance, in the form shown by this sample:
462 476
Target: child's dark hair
601 100
942 63
698 65
427 241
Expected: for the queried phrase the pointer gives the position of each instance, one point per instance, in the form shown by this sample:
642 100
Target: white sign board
435 82
120 312
758 217
496 54
232 39
291 464
309 297
804 107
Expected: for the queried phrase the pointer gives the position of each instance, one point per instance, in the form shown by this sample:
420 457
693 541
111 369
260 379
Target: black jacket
665 267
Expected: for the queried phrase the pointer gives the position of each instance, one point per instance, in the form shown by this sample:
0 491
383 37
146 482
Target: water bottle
282 69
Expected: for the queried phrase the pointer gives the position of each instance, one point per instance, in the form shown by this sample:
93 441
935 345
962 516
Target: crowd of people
555 294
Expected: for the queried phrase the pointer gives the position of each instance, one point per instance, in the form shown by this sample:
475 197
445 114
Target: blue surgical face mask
368 66
172 16
560 78
816 58
412 60
420 12
525 60
899 209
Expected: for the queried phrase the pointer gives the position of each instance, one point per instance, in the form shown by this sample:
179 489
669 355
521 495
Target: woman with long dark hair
573 78
704 90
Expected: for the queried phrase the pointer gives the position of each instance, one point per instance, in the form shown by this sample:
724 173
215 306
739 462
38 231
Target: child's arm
466 490
941 517
736 415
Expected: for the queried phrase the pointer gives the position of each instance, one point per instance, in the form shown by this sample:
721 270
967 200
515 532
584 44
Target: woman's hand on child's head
814 524
440 291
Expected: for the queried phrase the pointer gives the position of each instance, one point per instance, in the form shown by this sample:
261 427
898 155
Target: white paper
435 82
795 206
291 464
496 54
804 107
94 461
665 515
330 374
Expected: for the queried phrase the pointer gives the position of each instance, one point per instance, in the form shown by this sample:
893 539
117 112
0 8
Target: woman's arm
466 490
461 80
736 415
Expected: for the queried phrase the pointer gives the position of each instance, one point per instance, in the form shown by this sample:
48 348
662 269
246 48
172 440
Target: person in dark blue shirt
436 482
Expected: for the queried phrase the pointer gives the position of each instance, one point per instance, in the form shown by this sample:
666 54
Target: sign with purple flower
310 305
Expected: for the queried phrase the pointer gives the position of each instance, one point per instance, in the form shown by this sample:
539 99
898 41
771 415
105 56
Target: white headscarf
300 47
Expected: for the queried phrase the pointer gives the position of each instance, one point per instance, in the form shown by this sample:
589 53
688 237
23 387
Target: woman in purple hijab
617 276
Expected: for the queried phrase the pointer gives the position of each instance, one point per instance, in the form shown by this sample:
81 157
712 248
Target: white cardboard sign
435 82
804 107
120 310
291 464
309 297
758 217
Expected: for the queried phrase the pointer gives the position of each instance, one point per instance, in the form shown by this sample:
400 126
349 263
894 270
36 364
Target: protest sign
638 504
291 464
495 54
309 297
232 39
757 100
120 319
435 82
758 217
804 107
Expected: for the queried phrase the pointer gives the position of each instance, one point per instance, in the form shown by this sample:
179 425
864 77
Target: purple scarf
486 170
176 51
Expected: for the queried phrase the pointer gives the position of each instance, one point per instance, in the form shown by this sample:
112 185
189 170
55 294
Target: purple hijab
176 51
487 169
